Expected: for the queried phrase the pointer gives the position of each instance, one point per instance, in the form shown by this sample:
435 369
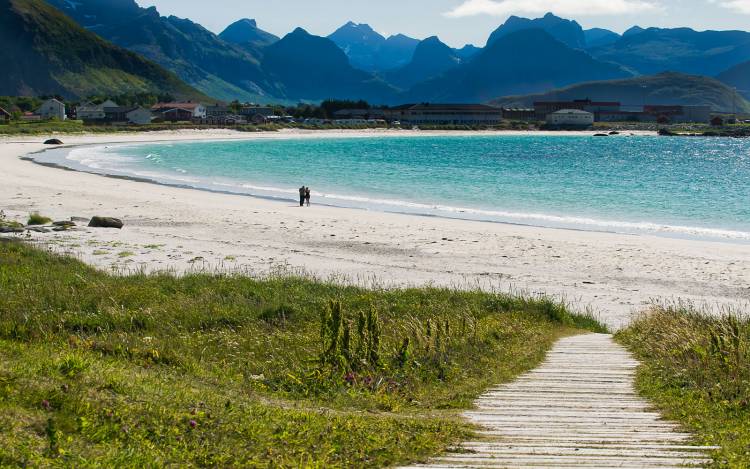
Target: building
519 114
93 112
139 116
224 119
544 108
52 109
177 114
396 113
184 111
5 116
570 118
217 111
250 111
117 114
366 114
446 114
259 119
30 117
621 116
678 113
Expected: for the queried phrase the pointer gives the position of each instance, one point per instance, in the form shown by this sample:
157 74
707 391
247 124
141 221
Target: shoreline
527 219
184 229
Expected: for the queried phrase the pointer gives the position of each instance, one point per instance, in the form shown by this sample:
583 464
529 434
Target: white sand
182 229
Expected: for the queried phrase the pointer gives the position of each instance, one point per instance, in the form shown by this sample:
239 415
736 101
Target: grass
696 369
38 219
6 222
214 370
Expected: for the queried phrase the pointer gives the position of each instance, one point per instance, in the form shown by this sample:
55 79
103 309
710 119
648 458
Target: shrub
38 219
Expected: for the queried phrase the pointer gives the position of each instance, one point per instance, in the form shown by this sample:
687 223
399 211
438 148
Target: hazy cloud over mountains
561 7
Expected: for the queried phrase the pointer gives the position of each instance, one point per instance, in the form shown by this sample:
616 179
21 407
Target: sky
456 22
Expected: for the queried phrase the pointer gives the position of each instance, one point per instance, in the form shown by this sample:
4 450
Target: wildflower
46 405
349 378
193 424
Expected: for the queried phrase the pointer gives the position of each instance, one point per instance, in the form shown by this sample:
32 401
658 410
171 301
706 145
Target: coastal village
580 113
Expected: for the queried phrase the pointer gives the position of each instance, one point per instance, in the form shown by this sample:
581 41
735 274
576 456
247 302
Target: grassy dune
696 369
98 370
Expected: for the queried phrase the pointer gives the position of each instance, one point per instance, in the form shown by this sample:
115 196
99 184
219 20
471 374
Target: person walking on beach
302 191
307 196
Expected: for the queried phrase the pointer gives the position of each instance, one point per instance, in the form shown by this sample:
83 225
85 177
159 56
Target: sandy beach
178 229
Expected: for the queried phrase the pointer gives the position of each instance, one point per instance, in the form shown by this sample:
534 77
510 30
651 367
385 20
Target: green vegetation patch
696 369
37 219
156 370
8 223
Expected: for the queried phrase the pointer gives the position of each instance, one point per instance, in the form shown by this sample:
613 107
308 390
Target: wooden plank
578 409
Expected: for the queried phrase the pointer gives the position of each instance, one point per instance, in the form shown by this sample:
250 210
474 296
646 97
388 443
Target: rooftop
571 111
587 102
175 105
453 107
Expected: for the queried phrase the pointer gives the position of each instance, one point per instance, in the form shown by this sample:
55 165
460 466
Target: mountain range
315 68
370 51
199 57
246 33
522 56
505 67
45 52
655 50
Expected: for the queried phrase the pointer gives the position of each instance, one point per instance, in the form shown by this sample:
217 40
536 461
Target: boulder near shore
106 222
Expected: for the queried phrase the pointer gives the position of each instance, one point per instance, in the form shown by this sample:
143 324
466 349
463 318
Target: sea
666 186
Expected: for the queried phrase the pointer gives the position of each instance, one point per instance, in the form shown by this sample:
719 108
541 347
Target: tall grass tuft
38 219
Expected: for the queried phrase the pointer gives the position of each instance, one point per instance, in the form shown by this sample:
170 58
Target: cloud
561 7
742 6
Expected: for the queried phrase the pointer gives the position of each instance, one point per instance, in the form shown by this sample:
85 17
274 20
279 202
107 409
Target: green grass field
696 369
211 370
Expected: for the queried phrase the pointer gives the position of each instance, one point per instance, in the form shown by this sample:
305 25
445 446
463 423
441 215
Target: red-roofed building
180 110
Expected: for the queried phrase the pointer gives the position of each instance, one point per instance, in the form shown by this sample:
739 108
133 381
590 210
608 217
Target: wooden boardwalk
578 409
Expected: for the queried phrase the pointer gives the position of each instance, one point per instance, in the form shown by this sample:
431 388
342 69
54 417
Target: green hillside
664 88
738 77
45 52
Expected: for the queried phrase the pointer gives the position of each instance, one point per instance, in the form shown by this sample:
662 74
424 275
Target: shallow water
683 187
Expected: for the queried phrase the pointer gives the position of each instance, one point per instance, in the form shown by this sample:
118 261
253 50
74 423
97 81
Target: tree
717 121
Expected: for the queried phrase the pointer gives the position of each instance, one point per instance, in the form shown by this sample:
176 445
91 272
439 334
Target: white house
139 116
571 117
52 109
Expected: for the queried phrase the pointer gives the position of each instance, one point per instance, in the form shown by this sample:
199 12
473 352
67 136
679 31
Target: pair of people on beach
304 196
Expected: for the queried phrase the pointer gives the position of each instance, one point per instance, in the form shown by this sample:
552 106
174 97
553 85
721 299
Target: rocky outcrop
106 222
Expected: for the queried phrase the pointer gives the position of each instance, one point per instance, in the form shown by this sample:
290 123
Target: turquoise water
684 187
